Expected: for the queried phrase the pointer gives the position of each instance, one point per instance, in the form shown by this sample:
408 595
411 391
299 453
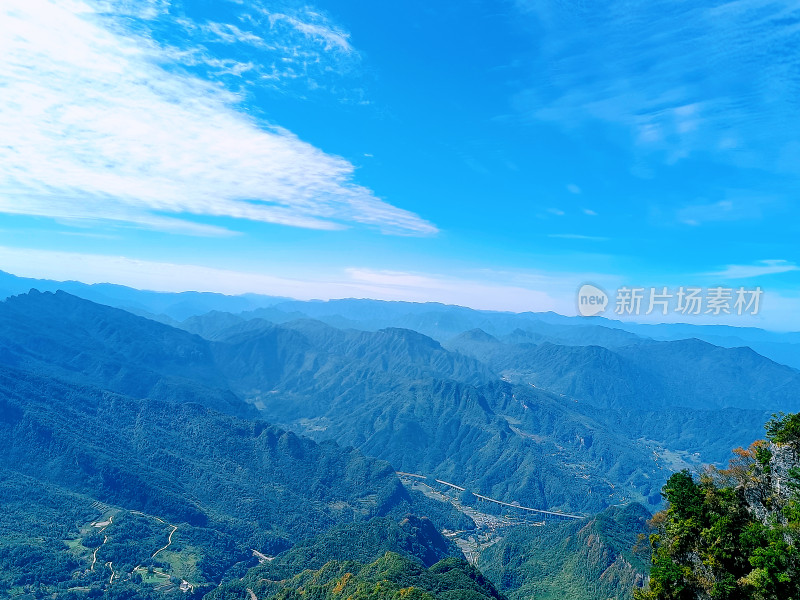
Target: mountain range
268 434
465 411
438 321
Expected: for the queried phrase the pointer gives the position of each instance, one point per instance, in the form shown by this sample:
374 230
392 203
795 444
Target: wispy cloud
764 267
573 189
735 208
98 123
333 38
432 287
577 236
295 51
679 77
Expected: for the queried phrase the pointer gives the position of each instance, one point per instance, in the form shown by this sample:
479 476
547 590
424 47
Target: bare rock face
771 485
785 457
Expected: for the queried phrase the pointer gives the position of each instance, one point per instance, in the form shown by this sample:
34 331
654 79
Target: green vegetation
393 394
229 487
582 560
733 534
104 414
784 429
55 542
390 577
413 538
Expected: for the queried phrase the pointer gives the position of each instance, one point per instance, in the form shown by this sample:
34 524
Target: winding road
169 540
105 539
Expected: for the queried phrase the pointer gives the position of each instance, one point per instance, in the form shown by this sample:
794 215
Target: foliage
390 577
414 538
97 405
394 394
229 485
784 429
710 544
580 560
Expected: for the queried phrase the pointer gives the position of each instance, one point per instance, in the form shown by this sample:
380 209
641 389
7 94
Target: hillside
392 576
414 538
197 441
596 558
77 455
62 336
403 397
394 394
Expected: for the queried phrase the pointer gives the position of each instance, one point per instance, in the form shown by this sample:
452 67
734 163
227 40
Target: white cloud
95 126
229 33
157 276
573 189
296 53
475 293
764 267
556 211
590 212
345 283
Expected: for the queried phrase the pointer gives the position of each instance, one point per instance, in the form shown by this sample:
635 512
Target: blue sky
491 154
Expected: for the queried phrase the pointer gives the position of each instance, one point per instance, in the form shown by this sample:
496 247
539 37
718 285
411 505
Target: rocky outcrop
771 484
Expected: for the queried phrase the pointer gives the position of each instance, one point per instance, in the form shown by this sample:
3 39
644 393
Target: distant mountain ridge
78 341
436 320
647 375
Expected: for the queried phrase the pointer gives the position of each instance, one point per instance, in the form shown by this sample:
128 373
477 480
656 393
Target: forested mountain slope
647 375
401 396
118 419
398 395
59 335
391 577
601 557
395 394
76 454
413 538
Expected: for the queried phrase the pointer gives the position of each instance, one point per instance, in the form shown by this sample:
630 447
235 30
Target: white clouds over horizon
352 282
100 124
513 291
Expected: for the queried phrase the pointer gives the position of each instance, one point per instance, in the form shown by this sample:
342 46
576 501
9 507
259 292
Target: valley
191 462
